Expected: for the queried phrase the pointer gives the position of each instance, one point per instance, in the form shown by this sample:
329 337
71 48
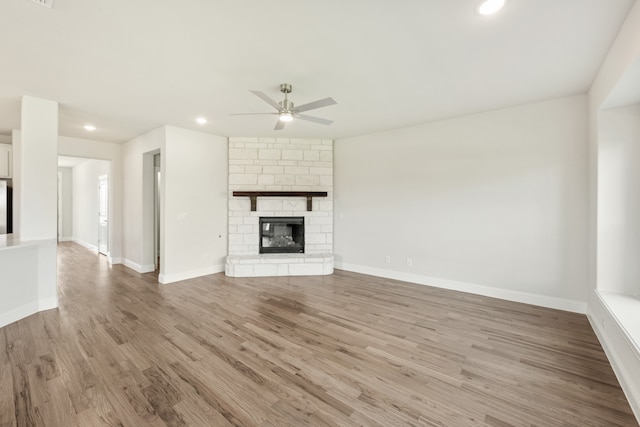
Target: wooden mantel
255 194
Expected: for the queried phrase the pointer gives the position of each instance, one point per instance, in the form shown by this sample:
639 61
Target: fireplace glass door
281 235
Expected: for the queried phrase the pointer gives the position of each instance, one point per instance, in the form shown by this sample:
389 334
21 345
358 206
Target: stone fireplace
280 179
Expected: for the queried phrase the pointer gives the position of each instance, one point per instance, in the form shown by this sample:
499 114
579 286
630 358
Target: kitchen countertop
12 241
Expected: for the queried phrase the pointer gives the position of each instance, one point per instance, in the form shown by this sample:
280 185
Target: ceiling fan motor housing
286 105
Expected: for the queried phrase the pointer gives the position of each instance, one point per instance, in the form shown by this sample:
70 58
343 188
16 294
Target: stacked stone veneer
280 164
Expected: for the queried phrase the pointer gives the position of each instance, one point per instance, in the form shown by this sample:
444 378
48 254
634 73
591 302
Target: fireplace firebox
281 235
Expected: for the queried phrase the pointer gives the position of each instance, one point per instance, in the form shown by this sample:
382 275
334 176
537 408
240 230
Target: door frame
103 247
59 234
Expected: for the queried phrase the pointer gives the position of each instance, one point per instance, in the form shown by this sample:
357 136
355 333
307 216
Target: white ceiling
70 162
131 66
627 90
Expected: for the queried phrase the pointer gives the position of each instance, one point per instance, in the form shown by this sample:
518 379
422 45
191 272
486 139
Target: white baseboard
147 268
505 294
27 310
18 313
114 260
622 352
48 303
87 245
176 277
65 239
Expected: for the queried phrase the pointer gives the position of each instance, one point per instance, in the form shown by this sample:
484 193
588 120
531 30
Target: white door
103 214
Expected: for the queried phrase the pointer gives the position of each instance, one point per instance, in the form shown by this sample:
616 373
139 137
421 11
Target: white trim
27 310
138 267
65 239
59 207
176 277
18 313
48 303
148 268
87 245
622 354
114 260
623 309
101 180
488 291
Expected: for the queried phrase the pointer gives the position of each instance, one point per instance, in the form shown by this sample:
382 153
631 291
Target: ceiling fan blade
279 125
266 99
315 104
314 119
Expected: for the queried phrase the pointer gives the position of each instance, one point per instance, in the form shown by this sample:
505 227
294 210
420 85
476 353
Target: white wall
77 147
66 198
35 174
612 315
28 257
17 271
86 204
623 53
27 282
194 197
193 194
137 225
619 201
493 203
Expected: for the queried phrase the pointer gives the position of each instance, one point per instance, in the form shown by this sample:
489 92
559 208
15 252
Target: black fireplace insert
282 235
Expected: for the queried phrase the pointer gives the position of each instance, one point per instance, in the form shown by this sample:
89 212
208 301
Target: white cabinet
6 159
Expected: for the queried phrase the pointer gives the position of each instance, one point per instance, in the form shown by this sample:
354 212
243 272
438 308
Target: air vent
45 3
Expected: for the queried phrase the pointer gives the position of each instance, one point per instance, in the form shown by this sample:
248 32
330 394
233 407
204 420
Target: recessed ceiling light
201 120
45 3
90 128
489 7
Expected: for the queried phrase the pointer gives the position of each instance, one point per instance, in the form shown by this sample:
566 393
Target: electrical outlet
387 259
409 262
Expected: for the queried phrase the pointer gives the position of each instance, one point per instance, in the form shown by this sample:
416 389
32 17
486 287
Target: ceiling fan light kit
287 111
286 117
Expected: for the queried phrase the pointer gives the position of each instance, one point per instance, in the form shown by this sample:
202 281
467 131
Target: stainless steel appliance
5 206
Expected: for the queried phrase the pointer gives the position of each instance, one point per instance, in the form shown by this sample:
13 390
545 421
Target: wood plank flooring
339 350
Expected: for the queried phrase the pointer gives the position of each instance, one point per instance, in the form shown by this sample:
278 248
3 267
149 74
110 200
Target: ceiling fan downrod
286 105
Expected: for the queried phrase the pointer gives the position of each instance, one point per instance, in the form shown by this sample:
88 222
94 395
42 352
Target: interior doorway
60 207
103 214
157 175
85 205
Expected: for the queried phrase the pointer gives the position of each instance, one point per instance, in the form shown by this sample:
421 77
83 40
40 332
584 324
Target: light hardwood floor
339 350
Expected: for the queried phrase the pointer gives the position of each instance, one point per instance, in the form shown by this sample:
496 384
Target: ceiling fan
287 111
